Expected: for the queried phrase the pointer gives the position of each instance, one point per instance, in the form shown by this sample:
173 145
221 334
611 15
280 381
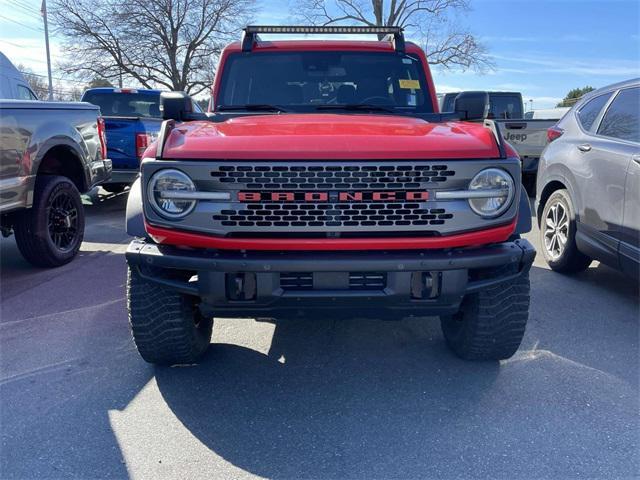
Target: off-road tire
114 187
31 227
167 327
571 260
491 323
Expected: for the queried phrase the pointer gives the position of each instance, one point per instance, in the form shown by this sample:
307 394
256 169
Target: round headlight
493 191
163 193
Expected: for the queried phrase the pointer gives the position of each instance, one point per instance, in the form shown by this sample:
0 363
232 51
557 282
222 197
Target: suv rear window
121 104
500 105
302 81
622 118
505 106
590 110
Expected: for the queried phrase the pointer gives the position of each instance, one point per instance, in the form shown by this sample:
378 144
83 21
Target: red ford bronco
323 180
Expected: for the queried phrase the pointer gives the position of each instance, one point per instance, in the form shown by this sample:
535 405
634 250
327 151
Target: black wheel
490 324
114 187
558 235
167 326
50 233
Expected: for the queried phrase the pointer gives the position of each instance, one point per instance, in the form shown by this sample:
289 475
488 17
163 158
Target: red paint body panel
329 137
326 136
173 237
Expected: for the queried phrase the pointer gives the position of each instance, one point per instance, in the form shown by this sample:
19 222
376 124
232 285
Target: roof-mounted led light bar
250 34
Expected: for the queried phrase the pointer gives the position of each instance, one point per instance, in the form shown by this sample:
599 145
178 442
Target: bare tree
170 44
435 22
38 83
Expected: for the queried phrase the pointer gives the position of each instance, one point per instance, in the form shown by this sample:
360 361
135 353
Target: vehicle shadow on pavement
331 399
591 318
362 398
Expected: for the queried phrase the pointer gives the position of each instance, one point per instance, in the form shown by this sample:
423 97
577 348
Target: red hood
329 137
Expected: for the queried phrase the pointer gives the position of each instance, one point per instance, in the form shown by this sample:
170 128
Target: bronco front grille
331 177
357 212
328 198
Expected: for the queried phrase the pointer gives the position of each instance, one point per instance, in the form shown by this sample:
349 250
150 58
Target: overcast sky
542 48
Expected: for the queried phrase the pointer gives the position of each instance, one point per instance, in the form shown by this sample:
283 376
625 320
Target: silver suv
588 201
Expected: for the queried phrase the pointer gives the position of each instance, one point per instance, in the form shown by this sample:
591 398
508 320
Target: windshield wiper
252 107
355 107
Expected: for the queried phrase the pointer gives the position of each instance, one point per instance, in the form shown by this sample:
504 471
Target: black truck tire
491 323
567 259
50 233
167 326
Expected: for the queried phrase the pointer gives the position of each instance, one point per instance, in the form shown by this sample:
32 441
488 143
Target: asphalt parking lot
323 399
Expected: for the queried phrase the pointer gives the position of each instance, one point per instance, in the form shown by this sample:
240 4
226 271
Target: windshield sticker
408 61
410 84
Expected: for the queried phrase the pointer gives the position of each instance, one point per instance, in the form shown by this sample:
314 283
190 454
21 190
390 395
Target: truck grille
332 215
303 281
330 199
339 177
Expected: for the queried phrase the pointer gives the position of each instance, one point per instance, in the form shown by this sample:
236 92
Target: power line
17 45
22 24
79 82
24 5
24 9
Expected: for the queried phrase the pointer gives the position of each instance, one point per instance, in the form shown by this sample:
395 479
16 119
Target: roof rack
250 33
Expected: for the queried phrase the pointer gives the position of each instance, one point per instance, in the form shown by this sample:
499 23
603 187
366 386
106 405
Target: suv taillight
143 140
553 133
102 135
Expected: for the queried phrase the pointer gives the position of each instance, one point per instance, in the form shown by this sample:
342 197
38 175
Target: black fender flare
135 214
523 224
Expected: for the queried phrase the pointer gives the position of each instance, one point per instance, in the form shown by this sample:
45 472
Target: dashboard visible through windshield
321 81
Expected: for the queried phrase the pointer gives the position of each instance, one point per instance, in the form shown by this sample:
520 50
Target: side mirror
175 105
472 105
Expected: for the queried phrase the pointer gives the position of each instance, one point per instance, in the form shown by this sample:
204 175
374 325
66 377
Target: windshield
121 104
311 81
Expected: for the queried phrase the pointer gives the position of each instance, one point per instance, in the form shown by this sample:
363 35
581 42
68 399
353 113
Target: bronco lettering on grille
368 196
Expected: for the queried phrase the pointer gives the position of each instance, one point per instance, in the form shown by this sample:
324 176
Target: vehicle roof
112 89
613 86
292 45
7 67
44 105
491 92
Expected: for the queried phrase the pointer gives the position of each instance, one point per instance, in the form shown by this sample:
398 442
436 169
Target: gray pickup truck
49 154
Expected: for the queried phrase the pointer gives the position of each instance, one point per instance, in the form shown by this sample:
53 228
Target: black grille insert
329 177
303 281
331 215
296 281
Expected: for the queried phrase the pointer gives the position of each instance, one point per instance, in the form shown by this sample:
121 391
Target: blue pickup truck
132 121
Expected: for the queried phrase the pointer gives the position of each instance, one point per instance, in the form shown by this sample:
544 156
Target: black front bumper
218 278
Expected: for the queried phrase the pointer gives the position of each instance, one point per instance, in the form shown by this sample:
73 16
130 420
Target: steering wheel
385 100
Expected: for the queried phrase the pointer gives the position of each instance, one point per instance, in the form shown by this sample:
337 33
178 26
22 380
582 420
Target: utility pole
43 11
